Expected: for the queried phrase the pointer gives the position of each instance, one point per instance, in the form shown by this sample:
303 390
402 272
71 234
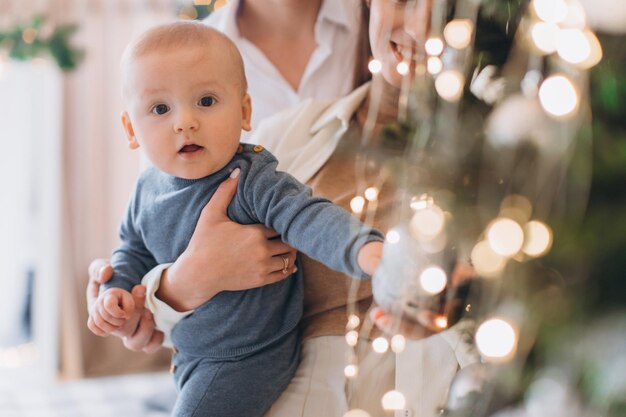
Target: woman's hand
138 333
224 256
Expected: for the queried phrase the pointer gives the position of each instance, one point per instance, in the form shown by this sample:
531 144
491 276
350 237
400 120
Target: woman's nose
417 20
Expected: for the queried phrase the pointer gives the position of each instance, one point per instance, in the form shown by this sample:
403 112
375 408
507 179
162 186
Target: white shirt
328 74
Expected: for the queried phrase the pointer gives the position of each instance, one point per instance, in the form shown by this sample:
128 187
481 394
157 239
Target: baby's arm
110 311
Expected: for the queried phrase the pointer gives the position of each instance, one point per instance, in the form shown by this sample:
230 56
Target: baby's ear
246 113
130 132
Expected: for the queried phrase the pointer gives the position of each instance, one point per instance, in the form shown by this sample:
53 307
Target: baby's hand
110 311
369 256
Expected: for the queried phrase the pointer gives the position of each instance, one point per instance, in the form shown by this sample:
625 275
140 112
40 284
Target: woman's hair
363 48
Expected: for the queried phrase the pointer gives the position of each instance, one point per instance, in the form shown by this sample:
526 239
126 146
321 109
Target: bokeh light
558 96
505 236
433 280
496 339
458 33
393 400
538 238
449 85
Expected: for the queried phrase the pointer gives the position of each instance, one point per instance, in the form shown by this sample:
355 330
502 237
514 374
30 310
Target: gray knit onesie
238 351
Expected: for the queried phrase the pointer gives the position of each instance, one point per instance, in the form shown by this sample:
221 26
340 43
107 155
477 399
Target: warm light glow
486 262
201 2
552 11
576 16
433 280
375 66
357 204
441 322
573 46
188 13
558 96
398 343
544 36
393 400
421 202
516 207
505 236
29 35
496 339
371 194
352 338
357 413
458 33
595 56
353 321
434 46
449 85
434 65
538 238
350 371
219 4
402 68
427 223
380 345
393 236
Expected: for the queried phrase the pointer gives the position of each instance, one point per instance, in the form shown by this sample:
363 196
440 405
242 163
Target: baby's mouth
190 148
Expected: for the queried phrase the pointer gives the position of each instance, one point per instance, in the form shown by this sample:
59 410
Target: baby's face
186 109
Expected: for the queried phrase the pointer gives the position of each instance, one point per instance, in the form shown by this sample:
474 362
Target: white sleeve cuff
165 317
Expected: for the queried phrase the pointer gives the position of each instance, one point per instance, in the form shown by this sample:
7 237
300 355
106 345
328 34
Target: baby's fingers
100 323
112 312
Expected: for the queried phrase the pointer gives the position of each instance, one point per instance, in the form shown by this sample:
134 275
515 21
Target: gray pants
242 387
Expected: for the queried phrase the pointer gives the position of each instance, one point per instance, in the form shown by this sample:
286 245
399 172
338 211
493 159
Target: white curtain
98 168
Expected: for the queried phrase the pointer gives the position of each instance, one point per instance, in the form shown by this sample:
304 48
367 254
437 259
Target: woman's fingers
284 263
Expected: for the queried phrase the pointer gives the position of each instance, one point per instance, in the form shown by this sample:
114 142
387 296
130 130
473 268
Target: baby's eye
207 101
160 109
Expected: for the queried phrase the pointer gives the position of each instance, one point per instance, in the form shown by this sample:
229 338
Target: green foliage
29 40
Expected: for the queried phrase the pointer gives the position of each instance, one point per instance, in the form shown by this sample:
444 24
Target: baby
184 91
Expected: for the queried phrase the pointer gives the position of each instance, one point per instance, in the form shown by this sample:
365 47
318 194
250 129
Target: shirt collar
342 109
336 11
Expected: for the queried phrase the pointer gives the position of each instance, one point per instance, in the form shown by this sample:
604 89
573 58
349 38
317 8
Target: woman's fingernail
101 270
295 269
235 173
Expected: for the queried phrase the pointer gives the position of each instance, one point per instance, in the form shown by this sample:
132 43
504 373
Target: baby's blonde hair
182 34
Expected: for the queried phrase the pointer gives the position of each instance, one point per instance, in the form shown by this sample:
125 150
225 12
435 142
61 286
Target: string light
496 339
544 36
351 371
486 262
352 338
449 85
538 238
371 194
398 343
573 46
433 280
392 236
434 65
393 400
357 204
380 345
458 33
353 321
505 237
375 66
558 96
427 223
552 11
402 68
434 46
